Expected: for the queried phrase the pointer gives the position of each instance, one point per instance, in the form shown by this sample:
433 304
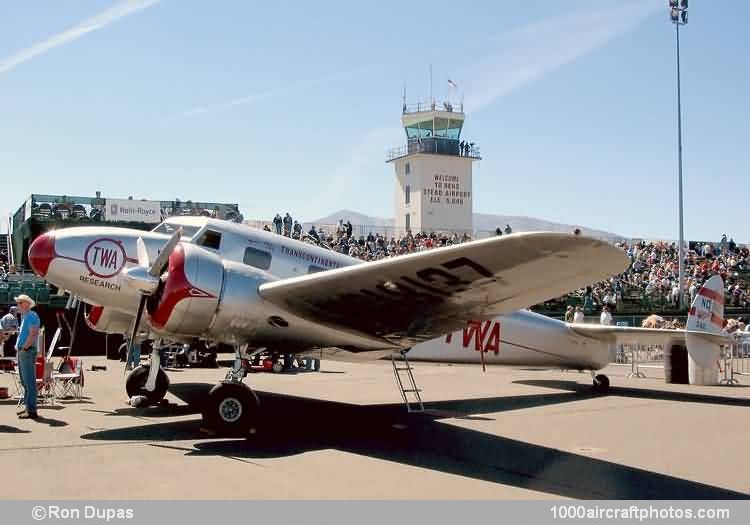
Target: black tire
122 352
136 384
601 384
232 409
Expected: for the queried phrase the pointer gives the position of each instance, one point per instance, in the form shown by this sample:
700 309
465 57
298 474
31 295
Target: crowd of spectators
374 246
739 324
654 270
5 268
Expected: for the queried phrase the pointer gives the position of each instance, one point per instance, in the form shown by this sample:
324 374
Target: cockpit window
209 239
169 228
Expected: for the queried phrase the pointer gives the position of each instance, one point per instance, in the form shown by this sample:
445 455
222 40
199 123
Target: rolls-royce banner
132 210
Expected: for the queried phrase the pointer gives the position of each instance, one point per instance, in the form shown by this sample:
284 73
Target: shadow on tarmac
640 393
5 429
295 425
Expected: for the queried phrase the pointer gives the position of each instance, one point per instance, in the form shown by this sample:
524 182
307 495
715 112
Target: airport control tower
433 189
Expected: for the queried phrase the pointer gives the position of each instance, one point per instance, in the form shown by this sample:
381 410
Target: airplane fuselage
522 338
222 264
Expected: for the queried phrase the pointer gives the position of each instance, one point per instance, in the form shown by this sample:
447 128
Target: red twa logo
486 336
105 258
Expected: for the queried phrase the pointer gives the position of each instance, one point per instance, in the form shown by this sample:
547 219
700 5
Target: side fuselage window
257 258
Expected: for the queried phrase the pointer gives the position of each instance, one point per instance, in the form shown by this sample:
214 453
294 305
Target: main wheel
601 384
232 409
135 385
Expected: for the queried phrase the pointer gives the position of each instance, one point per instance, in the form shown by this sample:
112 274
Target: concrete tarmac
343 434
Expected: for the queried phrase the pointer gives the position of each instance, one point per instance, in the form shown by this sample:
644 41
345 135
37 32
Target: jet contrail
534 50
99 21
526 54
289 89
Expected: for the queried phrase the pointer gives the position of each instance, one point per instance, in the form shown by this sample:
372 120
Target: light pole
678 12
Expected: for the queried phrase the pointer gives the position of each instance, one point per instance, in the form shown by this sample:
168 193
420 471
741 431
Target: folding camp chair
45 385
69 378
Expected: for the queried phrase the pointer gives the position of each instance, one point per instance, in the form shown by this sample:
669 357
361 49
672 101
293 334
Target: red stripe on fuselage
712 294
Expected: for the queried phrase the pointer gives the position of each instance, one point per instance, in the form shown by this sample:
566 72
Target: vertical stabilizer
706 315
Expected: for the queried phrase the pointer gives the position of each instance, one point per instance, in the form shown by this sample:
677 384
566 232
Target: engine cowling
188 296
108 320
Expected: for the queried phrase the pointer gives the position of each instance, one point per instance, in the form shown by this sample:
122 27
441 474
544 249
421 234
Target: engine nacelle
242 310
188 296
108 320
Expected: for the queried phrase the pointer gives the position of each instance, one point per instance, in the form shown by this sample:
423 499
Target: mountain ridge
484 223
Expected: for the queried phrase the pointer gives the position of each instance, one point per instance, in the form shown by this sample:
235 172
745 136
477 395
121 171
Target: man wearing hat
26 354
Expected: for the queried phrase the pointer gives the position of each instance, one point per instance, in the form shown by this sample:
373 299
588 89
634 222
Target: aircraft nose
41 253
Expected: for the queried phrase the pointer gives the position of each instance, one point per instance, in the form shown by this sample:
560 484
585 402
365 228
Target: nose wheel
136 384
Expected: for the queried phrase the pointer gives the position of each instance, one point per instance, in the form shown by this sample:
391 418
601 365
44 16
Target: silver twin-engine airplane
201 278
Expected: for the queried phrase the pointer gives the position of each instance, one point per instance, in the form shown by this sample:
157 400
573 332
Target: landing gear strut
232 408
601 383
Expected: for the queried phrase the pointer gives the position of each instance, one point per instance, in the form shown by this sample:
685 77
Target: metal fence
736 359
639 358
734 362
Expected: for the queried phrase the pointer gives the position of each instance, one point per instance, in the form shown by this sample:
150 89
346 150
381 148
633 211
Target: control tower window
420 130
407 194
454 129
407 222
209 239
257 258
407 168
441 127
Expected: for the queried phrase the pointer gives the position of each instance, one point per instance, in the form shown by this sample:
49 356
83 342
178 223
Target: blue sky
292 105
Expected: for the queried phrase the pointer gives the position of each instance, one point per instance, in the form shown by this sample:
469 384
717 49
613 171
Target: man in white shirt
606 317
578 315
8 327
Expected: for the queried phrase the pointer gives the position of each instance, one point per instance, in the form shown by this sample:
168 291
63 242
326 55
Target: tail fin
707 311
706 315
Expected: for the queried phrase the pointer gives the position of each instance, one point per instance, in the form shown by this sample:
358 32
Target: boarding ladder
410 393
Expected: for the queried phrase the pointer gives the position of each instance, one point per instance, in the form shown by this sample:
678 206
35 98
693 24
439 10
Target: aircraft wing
423 295
644 336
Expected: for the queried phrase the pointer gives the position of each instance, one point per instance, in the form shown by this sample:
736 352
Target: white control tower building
433 189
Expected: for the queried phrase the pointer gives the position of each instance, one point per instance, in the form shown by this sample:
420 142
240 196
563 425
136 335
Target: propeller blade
166 251
75 327
142 253
134 333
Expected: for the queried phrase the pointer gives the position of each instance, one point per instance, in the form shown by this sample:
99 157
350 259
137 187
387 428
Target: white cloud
106 17
529 53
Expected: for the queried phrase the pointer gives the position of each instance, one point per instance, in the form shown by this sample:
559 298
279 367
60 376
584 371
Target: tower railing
435 145
418 107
